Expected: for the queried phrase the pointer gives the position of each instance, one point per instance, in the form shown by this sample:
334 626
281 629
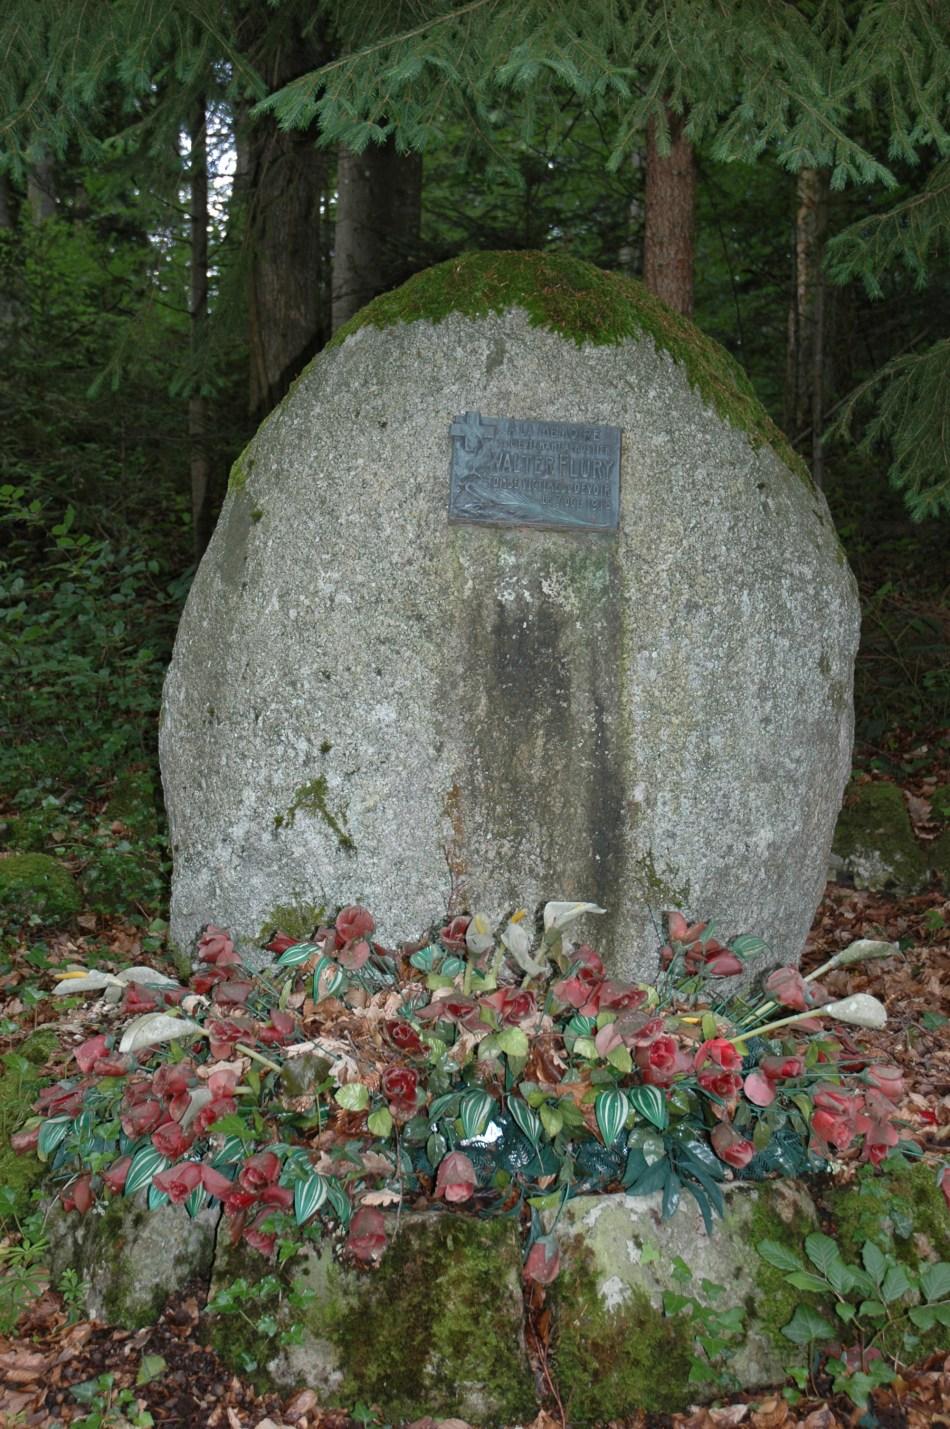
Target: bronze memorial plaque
563 475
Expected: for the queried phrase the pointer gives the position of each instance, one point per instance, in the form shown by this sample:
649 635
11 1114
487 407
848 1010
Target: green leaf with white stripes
194 1201
299 953
652 1105
309 1196
476 1111
611 1108
52 1133
330 986
146 1163
527 1121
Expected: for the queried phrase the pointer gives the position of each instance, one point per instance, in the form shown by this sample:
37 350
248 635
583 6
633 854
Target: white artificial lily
860 1009
79 979
478 936
517 940
153 1028
558 915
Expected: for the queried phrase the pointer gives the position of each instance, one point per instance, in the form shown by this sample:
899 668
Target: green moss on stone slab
776 1299
610 1363
35 884
875 840
21 1078
313 798
585 305
241 469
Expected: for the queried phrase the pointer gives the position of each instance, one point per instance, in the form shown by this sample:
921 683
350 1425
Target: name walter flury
556 474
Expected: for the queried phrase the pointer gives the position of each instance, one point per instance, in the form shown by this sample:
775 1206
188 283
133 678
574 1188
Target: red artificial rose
179 1181
215 946
759 1089
259 1171
513 1004
352 956
730 1147
232 993
26 1141
90 1052
403 1035
621 996
581 990
725 1085
280 942
455 1178
60 1100
208 978
366 1239
173 1079
399 1088
280 1196
259 1239
452 936
723 964
544 1261
138 999
788 987
114 1178
213 1111
720 1051
878 1142
237 1200
223 1035
354 921
780 1069
278 1030
680 931
659 1060
142 1118
888 1080
214 1182
77 1196
834 1130
171 1140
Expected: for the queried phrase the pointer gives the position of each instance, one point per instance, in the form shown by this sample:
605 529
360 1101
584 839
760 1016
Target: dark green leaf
807 1325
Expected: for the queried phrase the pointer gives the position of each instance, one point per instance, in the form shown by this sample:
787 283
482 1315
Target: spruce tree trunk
284 184
379 197
41 187
198 434
805 367
670 218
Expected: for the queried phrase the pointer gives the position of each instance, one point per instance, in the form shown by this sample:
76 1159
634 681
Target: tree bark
41 188
379 197
805 380
669 230
284 183
198 434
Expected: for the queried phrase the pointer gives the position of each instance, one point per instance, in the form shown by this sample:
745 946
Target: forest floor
166 1371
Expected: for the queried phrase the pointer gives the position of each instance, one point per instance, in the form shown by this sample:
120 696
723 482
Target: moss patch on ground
585 305
35 884
21 1078
875 839
894 1207
610 1363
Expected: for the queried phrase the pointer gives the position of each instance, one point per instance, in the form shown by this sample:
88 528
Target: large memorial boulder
368 702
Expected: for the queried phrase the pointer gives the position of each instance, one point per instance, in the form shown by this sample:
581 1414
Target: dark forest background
188 211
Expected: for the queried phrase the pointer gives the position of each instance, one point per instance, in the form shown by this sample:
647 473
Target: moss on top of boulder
34 883
875 841
585 305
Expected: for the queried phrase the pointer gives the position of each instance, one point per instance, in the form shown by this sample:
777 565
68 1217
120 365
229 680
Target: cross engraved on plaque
564 476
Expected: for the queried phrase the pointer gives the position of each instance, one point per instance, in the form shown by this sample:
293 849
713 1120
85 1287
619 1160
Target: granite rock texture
368 704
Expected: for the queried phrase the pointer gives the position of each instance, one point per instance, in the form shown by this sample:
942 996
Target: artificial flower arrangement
493 1073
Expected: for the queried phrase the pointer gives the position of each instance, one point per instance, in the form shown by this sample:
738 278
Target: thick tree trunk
6 207
41 188
670 218
283 181
805 367
379 195
198 434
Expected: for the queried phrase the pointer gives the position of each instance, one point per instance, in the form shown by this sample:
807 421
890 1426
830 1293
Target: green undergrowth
586 305
900 1207
21 1078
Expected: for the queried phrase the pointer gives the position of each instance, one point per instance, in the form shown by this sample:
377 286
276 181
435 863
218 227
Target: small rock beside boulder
874 843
